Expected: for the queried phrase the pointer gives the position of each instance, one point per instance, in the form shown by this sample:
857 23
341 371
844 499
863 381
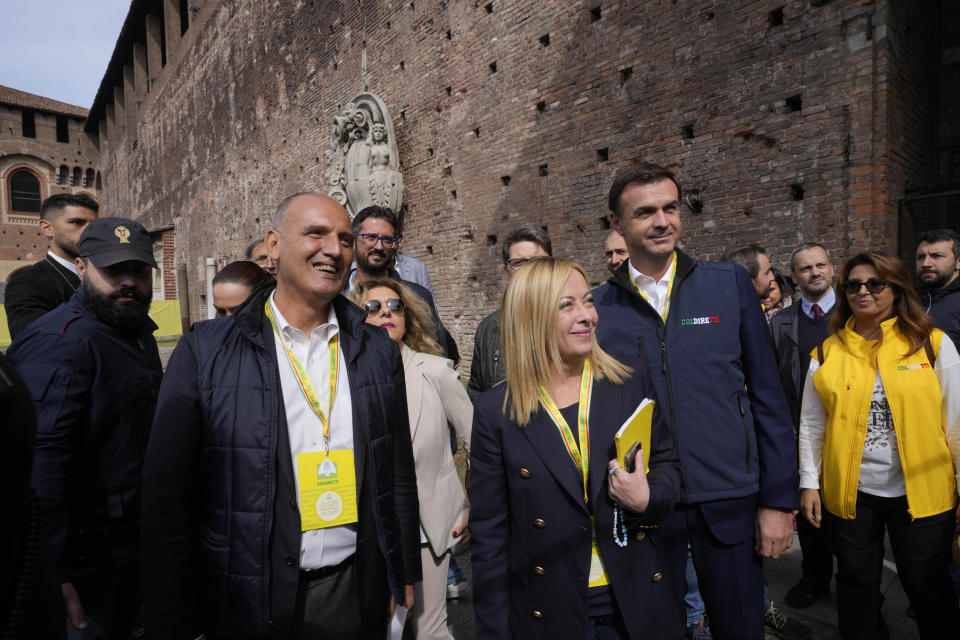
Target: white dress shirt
332 545
66 263
655 290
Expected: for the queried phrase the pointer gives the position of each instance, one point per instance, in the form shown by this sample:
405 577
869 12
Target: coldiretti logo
909 367
686 322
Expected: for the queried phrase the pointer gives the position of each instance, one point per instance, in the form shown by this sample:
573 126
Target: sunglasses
873 285
393 304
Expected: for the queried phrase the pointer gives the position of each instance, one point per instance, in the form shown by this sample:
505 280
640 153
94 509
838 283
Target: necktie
817 311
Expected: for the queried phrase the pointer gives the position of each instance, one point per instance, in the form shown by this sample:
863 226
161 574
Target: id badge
598 574
328 489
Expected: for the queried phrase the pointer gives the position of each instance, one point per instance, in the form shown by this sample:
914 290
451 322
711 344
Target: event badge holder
326 479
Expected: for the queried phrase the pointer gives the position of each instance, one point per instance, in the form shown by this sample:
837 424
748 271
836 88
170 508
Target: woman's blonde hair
420 327
528 336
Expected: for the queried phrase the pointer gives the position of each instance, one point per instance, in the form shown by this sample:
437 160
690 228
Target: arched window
24 192
99 183
88 179
77 176
63 174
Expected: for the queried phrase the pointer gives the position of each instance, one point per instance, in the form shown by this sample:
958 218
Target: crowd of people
291 473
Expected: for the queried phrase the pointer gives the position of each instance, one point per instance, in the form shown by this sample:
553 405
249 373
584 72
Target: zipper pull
663 357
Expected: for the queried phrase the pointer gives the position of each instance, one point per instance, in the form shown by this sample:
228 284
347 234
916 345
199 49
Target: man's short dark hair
55 204
250 247
375 211
643 173
940 235
747 258
804 247
526 233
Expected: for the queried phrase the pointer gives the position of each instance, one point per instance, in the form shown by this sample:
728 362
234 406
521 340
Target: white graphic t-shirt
880 471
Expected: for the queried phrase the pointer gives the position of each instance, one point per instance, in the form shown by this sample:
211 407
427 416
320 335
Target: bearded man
93 370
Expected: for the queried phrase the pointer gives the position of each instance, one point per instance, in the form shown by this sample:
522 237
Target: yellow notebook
636 431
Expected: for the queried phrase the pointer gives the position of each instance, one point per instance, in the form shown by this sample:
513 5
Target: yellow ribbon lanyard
306 387
580 455
670 275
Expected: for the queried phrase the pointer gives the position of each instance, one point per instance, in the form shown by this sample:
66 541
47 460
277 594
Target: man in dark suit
279 492
797 330
45 285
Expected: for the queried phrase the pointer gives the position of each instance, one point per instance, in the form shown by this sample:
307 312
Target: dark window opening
796 191
625 75
184 16
595 13
776 17
29 128
541 106
491 240
687 131
545 40
63 131
543 170
489 7
493 67
794 103
24 192
505 180
603 154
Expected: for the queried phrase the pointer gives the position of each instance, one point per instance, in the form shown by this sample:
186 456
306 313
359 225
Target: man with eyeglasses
257 252
938 264
521 245
376 236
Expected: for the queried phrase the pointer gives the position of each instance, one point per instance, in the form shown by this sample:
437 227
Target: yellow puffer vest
845 382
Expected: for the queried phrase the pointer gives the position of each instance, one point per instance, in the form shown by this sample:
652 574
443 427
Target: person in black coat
41 287
564 540
235 546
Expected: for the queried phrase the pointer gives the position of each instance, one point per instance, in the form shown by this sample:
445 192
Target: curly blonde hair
420 328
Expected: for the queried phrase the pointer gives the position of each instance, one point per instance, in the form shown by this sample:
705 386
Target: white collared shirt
330 546
826 303
66 263
655 290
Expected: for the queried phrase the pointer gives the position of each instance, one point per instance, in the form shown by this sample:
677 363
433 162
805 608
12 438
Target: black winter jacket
220 519
944 305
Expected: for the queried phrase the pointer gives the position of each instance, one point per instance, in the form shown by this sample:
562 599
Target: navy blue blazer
531 531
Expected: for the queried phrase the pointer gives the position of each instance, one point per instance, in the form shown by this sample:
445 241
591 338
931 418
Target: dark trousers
817 547
110 597
328 607
730 576
921 549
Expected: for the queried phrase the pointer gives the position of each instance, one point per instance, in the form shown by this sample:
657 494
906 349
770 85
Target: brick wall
794 120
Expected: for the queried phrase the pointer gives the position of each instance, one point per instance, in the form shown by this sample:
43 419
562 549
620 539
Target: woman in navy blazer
539 562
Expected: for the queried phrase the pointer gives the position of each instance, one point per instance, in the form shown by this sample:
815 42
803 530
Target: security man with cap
93 370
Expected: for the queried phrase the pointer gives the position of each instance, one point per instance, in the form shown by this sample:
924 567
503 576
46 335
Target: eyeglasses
393 304
516 263
873 285
371 240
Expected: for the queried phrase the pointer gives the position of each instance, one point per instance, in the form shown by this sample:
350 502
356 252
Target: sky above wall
58 48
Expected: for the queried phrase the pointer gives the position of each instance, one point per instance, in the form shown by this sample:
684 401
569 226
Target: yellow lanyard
304 380
670 274
580 455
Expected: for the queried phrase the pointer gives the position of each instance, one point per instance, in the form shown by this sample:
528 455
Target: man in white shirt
279 487
43 286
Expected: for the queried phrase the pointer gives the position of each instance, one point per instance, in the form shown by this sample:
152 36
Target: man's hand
811 506
74 608
774 531
407 601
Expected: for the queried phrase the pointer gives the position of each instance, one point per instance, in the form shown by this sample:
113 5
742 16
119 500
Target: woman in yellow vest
880 447
565 541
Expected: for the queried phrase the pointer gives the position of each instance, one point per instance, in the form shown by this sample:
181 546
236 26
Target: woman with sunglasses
564 540
435 397
880 447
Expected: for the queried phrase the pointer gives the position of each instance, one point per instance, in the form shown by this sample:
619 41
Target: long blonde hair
420 327
528 336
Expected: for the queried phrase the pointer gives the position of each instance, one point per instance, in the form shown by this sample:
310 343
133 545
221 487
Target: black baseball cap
109 241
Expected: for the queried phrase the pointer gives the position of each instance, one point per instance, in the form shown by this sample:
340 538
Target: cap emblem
123 233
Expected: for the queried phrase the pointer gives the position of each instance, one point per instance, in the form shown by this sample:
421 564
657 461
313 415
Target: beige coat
435 396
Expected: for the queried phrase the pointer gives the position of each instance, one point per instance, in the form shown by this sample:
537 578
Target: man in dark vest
797 331
45 285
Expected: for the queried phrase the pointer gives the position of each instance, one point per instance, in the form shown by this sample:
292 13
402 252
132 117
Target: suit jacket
531 531
784 329
220 517
434 398
36 290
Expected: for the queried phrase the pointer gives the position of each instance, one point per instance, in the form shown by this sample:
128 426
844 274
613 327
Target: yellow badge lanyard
306 387
580 455
670 275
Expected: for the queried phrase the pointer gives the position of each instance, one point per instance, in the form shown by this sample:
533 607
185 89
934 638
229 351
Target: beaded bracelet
618 514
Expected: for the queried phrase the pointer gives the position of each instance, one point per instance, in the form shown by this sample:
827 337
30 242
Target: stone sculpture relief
363 166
